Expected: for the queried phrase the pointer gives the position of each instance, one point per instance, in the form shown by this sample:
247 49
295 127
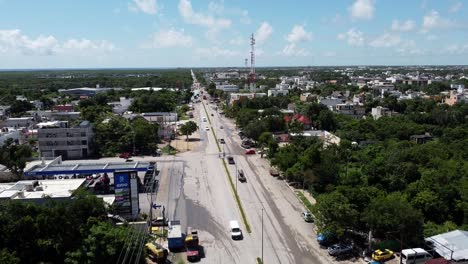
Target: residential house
330 102
352 110
456 97
379 111
421 139
308 97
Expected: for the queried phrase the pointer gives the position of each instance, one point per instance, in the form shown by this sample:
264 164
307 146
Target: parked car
159 221
241 176
274 172
326 239
221 127
221 140
125 155
230 160
307 216
340 249
382 255
250 152
207 128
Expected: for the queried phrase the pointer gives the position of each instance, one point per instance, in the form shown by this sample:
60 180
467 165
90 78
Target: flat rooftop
51 188
85 168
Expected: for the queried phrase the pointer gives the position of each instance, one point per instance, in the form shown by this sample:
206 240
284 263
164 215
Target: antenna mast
252 63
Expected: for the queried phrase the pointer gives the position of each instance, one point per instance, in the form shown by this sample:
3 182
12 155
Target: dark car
221 140
241 176
230 160
340 249
274 172
125 155
326 239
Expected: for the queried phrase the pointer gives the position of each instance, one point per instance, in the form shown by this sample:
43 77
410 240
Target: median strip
236 195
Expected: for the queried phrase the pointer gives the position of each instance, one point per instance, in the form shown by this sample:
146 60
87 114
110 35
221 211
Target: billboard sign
122 192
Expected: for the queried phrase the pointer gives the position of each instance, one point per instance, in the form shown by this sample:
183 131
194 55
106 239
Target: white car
207 128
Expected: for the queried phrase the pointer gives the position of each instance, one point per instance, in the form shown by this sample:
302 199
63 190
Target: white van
236 232
414 256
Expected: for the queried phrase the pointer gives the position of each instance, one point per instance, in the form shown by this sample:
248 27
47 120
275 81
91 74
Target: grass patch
168 149
305 201
207 115
259 260
236 195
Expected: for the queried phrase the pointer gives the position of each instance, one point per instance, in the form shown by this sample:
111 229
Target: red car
250 152
125 155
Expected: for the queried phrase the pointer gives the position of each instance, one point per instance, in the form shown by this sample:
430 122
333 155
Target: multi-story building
228 88
58 139
456 97
240 96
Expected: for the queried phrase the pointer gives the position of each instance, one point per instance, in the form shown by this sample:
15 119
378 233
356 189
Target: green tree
327 120
333 213
188 128
145 135
393 213
14 157
266 140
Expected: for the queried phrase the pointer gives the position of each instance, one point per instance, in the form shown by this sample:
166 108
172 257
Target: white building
121 106
239 96
18 122
228 88
276 92
379 111
58 139
37 191
6 134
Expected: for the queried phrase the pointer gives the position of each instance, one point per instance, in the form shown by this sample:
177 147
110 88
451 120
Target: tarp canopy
452 245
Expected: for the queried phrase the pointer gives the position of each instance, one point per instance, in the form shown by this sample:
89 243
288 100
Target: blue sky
199 33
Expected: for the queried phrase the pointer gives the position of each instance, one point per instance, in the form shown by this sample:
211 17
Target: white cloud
353 37
263 33
13 41
403 26
386 40
433 20
362 9
456 49
298 34
86 44
216 52
455 7
292 50
192 17
145 6
171 38
219 9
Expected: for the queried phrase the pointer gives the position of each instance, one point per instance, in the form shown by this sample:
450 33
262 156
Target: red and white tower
252 75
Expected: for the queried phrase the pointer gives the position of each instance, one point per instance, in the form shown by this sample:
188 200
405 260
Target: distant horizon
225 67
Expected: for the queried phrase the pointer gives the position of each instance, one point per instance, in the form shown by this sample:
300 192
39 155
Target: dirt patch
182 145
